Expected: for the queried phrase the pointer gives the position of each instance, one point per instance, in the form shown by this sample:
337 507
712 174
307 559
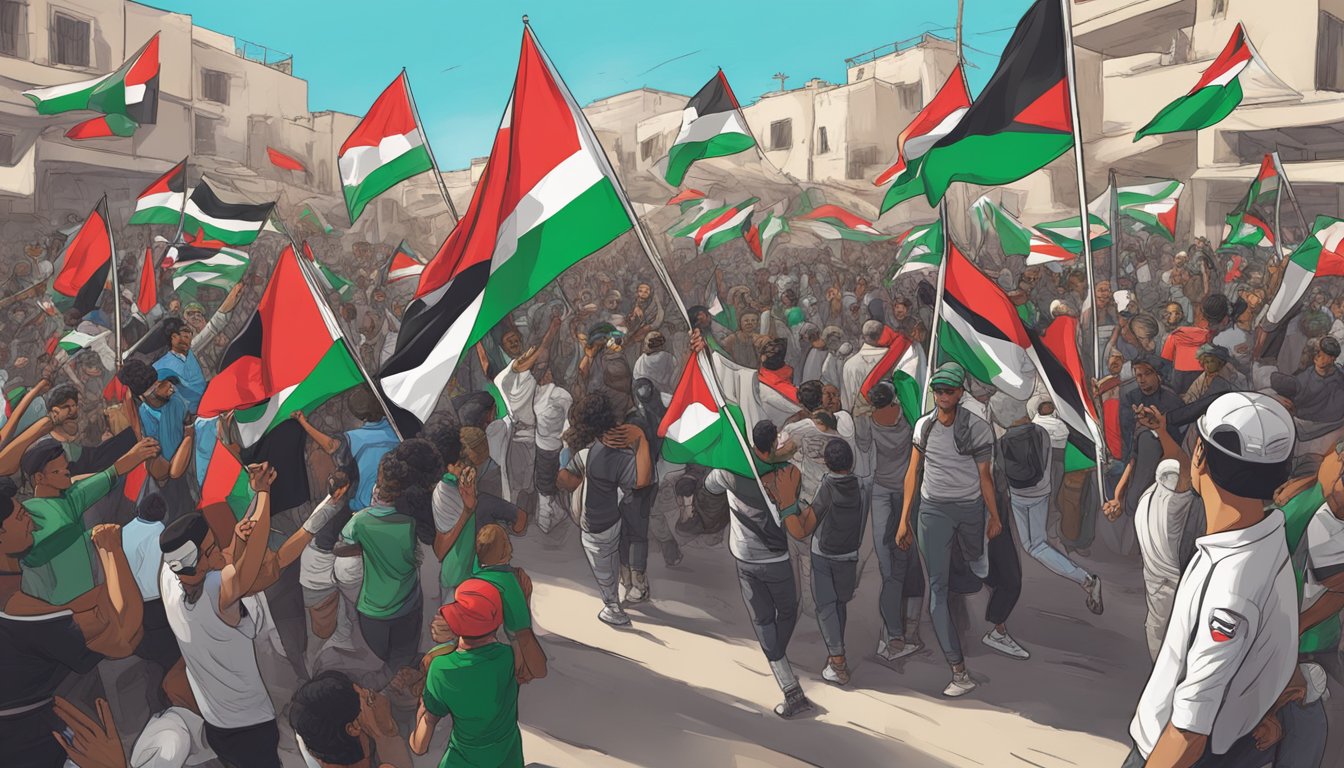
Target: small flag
921 248
1243 226
1249 230
719 226
696 431
148 295
75 341
162 201
1016 238
687 199
283 161
831 222
760 237
208 217
85 263
404 264
712 125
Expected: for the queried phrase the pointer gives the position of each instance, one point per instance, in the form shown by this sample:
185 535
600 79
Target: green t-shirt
461 558
60 567
1297 513
517 617
478 688
390 573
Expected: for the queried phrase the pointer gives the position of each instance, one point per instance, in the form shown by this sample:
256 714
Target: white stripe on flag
357 163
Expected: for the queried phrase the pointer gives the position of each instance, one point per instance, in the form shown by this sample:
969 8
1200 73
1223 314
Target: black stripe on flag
282 447
422 328
146 111
1063 388
714 98
246 344
209 204
978 322
87 299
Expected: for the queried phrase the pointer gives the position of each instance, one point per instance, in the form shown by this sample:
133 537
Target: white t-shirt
140 540
1231 645
221 660
552 408
519 390
1160 523
1325 553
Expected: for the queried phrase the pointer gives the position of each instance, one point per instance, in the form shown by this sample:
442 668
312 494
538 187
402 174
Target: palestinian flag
314 219
1219 90
982 330
1067 235
128 97
210 218
74 341
935 121
712 125
194 247
289 357
760 236
85 263
696 430
1055 355
545 201
1016 238
148 296
222 270
162 201
687 200
1265 186
327 279
386 148
903 364
283 161
720 225
1321 255
1151 206
831 222
404 264
1249 230
226 483
921 248
1020 121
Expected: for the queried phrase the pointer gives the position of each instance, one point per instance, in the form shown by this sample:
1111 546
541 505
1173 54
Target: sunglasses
944 391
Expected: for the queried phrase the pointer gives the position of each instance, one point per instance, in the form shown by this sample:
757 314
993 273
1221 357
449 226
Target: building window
1219 9
823 143
1330 54
781 134
69 40
859 75
205 134
910 97
7 149
651 148
215 86
13 28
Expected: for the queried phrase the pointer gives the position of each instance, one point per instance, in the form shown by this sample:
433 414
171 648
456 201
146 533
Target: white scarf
1059 431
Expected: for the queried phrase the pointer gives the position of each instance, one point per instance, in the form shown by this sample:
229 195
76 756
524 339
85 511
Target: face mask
184 559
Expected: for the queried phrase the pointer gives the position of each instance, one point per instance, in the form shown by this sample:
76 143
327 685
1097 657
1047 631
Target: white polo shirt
1231 646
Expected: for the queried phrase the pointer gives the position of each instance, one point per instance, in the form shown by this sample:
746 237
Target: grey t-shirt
948 475
891 448
754 535
610 476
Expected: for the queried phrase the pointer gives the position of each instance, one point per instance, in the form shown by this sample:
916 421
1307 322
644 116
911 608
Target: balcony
1116 28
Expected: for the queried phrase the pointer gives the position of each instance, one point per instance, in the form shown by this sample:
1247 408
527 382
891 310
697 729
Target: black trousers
256 746
1005 574
635 528
771 596
396 640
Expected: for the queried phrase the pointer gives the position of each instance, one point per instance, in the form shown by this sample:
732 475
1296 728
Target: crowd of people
391 591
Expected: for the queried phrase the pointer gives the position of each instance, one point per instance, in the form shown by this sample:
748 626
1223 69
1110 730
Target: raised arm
118 626
1149 417
12 452
237 577
324 441
12 424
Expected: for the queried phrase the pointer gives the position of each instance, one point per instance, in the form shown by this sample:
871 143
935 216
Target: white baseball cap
1264 431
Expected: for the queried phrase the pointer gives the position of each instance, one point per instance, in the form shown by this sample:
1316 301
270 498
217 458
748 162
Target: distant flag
314 218
162 201
194 247
283 161
721 225
328 279
831 222
128 97
74 341
687 199
1020 122
761 236
1321 255
921 248
85 263
712 125
223 270
1219 90
935 121
546 200
404 264
1244 227
1067 235
208 217
148 295
1249 230
1153 206
386 148
1016 238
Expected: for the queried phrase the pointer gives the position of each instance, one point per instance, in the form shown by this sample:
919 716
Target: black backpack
1020 448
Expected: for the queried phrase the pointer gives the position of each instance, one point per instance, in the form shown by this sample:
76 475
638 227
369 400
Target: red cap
477 611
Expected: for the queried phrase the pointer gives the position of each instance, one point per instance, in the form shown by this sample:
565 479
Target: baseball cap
1214 350
477 609
1250 427
948 375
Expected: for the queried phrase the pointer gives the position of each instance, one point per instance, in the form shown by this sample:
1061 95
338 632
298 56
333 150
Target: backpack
1020 448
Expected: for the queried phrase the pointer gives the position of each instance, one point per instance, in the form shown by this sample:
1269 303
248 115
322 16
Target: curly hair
137 375
589 418
407 475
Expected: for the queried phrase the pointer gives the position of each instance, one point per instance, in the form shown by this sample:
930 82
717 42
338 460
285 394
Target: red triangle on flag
148 295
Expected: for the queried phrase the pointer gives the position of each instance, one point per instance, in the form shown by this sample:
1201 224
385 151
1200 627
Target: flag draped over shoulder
546 199
712 125
385 149
935 121
1321 255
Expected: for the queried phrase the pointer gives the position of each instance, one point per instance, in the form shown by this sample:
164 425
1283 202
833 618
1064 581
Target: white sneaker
1005 644
885 653
961 685
1093 587
613 615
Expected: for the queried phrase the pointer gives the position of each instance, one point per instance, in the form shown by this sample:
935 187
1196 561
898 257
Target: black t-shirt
36 654
610 477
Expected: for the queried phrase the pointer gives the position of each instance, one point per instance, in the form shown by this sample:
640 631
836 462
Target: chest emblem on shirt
1224 625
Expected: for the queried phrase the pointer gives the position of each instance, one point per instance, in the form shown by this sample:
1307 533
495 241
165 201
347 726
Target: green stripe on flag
159 214
908 394
1074 459
681 156
1198 110
990 160
977 362
410 163
335 373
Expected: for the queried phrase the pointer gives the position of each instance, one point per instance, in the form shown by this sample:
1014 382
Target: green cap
948 375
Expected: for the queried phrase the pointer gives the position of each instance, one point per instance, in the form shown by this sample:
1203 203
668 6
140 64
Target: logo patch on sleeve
1224 625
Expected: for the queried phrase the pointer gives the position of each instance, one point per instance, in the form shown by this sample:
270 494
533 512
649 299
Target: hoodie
840 518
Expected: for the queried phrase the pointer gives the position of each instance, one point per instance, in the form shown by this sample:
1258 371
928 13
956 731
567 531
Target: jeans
1030 516
604 557
942 526
1242 754
771 596
900 568
1304 734
833 583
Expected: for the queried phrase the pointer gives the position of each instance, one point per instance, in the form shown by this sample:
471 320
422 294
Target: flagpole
937 303
438 175
1074 118
1278 207
1288 185
116 285
182 217
1115 237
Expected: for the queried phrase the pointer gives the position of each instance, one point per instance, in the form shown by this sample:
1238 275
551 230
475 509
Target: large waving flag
982 330
712 125
1219 90
934 122
216 222
831 222
291 356
128 97
546 200
162 201
1016 238
386 148
921 248
721 225
85 263
1020 121
1321 255
1055 355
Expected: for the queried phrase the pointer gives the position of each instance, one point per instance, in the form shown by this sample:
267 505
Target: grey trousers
603 551
942 526
899 568
771 596
833 583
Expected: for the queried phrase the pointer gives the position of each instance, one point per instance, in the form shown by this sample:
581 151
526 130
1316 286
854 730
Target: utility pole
781 77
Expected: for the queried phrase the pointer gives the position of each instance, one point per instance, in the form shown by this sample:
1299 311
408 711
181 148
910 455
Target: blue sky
461 55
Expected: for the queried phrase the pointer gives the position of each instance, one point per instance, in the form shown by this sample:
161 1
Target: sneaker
836 671
638 591
795 703
887 651
1093 587
1005 644
961 685
613 615
672 553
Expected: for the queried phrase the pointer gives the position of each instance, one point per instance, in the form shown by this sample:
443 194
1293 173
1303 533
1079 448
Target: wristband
789 511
